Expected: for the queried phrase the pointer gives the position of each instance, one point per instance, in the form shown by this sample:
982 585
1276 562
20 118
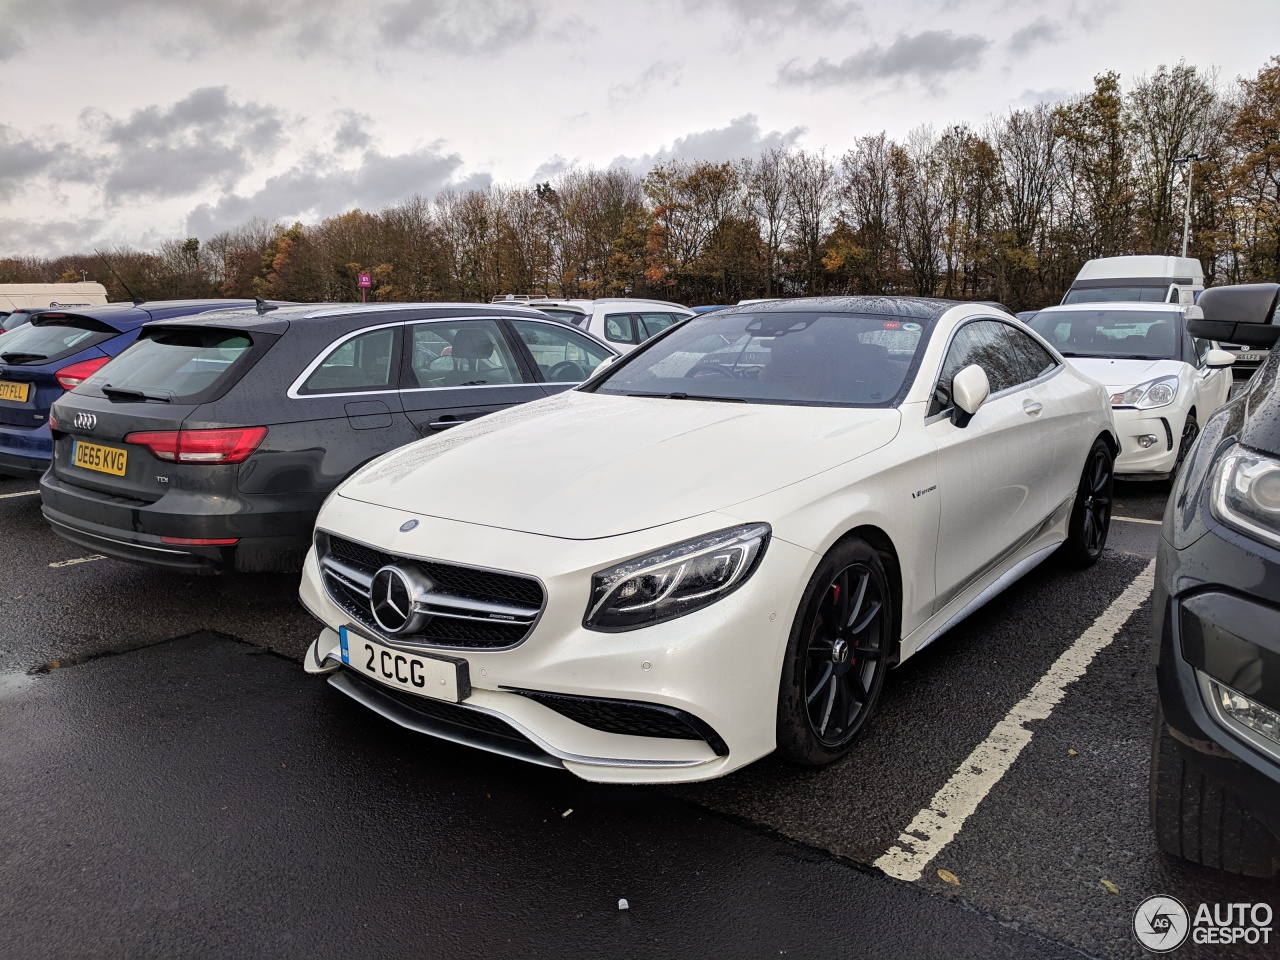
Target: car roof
129 316
1136 306
916 308
277 319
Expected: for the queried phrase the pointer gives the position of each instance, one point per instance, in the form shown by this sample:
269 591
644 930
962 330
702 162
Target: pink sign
366 280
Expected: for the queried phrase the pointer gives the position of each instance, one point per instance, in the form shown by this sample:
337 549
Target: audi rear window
188 366
48 338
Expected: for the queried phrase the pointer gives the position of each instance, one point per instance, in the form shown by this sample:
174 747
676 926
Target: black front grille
464 582
629 717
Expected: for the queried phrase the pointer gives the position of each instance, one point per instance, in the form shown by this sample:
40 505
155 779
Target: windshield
1118 294
787 358
173 365
1123 334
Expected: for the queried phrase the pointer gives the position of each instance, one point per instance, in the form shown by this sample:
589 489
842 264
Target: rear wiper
22 357
122 393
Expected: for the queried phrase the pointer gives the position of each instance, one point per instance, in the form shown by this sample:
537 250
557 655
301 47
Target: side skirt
979 600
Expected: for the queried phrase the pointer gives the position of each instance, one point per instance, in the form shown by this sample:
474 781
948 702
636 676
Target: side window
654 323
982 342
459 353
620 327
563 355
1033 360
1202 350
362 363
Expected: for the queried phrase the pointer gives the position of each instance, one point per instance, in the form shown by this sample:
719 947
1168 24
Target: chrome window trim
293 392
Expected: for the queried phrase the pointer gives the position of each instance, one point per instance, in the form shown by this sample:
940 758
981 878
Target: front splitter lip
337 675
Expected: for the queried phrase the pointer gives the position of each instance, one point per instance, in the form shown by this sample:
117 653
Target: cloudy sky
129 121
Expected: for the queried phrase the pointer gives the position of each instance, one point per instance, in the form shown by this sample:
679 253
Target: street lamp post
1190 160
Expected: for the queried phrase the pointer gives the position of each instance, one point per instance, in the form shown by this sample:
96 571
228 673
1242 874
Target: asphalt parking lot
196 795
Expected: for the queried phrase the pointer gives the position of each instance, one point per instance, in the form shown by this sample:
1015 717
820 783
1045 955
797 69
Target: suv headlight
1153 393
1246 494
675 580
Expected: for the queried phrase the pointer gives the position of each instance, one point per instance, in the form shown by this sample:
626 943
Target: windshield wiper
17 357
681 395
123 393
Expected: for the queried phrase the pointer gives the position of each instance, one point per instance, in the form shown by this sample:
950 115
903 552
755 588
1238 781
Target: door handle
442 424
1032 408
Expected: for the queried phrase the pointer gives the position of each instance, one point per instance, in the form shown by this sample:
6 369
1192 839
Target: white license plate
440 678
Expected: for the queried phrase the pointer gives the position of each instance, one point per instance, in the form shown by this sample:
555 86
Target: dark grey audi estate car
210 444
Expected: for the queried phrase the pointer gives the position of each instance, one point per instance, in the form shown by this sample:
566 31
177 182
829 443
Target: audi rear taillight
76 374
233 445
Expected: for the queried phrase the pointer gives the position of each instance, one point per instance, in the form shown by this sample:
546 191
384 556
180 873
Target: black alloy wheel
1190 430
837 656
1091 514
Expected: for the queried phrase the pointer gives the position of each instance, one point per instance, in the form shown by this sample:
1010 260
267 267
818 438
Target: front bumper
719 666
1157 460
1208 634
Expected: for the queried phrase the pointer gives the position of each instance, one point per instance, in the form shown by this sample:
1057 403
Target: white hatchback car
1163 382
621 322
717 546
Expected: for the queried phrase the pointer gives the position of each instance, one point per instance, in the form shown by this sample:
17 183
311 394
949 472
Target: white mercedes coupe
718 545
1162 381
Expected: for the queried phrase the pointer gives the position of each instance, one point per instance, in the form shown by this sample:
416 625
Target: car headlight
1246 494
1153 393
675 580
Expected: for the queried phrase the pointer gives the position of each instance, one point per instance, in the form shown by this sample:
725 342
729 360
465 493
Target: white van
41 295
1141 279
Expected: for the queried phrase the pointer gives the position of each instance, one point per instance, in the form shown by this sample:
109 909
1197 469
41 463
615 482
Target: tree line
1005 212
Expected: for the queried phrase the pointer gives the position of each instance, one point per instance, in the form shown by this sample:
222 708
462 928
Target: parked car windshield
1120 334
842 359
1130 294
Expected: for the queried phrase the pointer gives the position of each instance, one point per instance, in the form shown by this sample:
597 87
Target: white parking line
937 825
24 493
72 563
1154 523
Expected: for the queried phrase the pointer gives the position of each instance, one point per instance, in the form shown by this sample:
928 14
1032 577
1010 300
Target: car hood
1119 375
583 466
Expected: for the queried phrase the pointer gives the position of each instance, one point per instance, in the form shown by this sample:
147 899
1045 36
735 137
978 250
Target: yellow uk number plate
92 456
17 392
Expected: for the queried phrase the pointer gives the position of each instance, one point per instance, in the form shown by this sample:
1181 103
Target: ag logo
1161 924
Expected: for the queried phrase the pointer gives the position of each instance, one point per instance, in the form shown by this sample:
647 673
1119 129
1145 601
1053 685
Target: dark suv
210 444
1215 759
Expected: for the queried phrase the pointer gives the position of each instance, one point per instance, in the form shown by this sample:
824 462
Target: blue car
42 359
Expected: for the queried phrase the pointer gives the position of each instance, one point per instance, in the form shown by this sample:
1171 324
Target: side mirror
969 390
1217 359
1244 313
603 363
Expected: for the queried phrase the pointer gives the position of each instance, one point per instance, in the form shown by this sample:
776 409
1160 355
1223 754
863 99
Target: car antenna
132 296
263 306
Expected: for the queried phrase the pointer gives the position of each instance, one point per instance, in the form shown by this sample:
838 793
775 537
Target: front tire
1195 818
1091 514
837 655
